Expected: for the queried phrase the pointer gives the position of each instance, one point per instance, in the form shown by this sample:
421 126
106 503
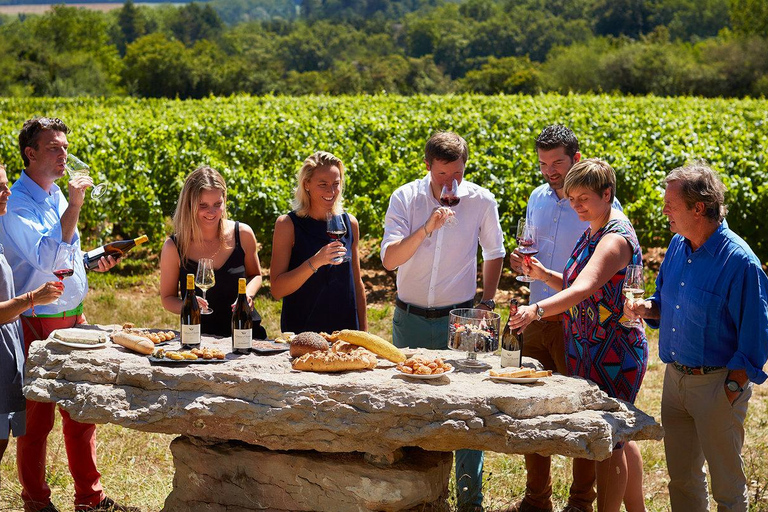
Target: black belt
699 370
431 312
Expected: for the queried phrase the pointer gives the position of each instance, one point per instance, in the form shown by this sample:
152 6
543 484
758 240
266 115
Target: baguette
375 344
133 342
334 362
514 374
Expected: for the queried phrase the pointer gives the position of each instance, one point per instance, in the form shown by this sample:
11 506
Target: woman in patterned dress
598 346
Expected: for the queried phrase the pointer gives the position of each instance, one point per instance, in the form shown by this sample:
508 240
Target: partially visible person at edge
437 266
598 346
711 309
39 229
202 230
558 228
12 406
320 292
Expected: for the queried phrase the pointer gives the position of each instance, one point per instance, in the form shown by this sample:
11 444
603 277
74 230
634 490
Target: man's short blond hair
593 174
446 147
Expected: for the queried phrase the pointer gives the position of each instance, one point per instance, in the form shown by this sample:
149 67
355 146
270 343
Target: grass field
137 467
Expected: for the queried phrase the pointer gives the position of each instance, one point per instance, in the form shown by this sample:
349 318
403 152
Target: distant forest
661 47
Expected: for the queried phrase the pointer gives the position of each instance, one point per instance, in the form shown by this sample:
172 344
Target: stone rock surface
228 476
260 400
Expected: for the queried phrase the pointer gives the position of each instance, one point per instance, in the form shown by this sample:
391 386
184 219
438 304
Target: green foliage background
145 149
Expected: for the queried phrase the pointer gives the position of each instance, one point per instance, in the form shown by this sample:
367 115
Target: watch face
733 385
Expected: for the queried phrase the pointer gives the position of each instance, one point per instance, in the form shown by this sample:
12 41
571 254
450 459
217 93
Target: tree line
706 48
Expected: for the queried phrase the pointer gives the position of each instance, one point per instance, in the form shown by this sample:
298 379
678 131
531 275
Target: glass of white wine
76 168
205 279
634 290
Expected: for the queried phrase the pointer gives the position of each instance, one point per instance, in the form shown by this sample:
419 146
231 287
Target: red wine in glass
336 229
449 197
64 272
526 245
336 235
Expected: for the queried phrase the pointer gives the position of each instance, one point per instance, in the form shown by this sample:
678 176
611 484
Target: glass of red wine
336 229
449 196
64 266
526 245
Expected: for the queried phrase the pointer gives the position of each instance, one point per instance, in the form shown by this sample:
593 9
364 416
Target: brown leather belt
430 312
700 370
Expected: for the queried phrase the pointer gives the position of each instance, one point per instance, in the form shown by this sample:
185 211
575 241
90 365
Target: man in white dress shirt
437 265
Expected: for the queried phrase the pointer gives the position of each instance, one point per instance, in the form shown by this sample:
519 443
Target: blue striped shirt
714 305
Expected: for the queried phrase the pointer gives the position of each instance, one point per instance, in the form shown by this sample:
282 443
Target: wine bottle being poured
116 249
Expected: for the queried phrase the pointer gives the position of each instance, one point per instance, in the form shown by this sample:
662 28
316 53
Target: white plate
516 380
80 345
424 377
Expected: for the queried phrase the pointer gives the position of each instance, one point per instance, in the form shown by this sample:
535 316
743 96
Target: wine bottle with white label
511 342
190 316
116 249
242 325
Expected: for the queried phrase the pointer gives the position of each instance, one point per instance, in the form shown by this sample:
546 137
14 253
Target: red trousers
79 438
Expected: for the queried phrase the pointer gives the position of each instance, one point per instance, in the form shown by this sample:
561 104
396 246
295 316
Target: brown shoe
108 505
573 508
524 506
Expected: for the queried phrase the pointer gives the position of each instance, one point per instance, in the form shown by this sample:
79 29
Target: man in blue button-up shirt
711 309
39 234
558 228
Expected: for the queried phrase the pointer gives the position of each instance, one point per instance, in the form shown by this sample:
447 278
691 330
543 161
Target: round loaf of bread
307 342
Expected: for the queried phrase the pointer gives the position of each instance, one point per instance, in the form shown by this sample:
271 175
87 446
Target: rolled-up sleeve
396 225
491 235
39 245
748 306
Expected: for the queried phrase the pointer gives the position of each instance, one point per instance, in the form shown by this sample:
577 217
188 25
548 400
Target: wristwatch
539 312
490 303
733 386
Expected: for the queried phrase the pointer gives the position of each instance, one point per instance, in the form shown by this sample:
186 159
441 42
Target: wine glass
527 245
77 168
64 265
634 289
336 228
449 197
205 279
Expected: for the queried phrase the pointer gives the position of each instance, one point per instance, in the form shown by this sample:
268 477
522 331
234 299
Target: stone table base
229 476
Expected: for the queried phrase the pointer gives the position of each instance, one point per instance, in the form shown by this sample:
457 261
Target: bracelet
31 303
309 262
429 235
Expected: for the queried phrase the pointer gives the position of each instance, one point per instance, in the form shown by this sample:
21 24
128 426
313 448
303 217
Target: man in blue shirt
558 228
711 309
39 234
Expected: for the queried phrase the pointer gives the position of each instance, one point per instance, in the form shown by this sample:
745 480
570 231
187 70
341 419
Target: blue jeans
409 330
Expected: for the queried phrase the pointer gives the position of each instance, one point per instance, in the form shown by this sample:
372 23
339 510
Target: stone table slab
260 400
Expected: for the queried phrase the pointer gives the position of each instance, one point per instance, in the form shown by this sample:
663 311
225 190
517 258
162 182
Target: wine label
511 358
96 253
241 338
190 334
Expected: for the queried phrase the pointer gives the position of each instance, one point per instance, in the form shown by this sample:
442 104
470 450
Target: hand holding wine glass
205 279
527 245
47 293
77 168
64 265
634 290
336 229
449 197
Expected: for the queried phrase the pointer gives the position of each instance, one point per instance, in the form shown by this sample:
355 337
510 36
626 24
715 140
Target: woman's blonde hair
185 217
593 174
301 200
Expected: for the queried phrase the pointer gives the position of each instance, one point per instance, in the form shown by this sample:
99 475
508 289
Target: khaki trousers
545 342
701 424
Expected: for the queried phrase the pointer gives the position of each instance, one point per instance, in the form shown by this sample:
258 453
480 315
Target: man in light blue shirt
711 309
558 228
39 234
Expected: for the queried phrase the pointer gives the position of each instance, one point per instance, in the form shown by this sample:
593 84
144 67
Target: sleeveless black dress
326 302
223 294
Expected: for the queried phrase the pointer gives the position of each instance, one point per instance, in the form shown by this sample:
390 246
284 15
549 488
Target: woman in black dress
201 230
320 293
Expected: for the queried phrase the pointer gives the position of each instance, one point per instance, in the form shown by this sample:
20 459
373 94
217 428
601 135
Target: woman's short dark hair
32 129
